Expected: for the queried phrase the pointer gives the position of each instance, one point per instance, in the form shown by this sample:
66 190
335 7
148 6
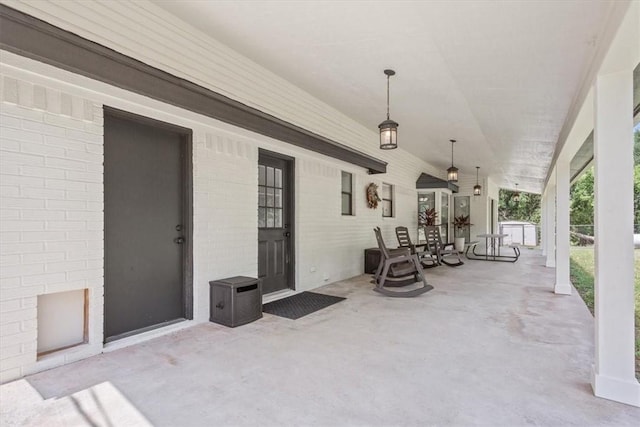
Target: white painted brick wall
52 211
137 29
51 226
225 211
51 181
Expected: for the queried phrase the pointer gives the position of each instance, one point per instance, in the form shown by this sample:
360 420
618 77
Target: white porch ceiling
499 76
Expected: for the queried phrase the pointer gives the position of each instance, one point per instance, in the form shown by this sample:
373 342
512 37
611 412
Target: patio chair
445 253
394 270
426 258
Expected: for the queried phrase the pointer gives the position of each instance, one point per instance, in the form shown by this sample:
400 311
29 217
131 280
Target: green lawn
582 268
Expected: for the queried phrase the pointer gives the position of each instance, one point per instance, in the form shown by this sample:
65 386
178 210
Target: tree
636 147
582 195
582 191
582 199
526 209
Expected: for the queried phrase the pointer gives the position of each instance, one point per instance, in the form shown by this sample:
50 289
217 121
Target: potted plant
428 217
460 223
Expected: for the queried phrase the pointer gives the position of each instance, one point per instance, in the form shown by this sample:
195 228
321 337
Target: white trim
563 288
277 295
149 335
615 389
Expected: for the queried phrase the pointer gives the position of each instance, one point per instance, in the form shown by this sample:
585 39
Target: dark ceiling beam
429 181
27 36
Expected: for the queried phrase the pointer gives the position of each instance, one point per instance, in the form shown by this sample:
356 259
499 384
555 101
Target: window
269 197
347 193
387 200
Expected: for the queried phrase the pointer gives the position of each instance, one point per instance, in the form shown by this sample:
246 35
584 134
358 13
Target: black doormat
296 306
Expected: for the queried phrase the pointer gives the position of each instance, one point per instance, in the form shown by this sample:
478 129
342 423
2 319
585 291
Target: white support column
563 173
543 223
551 225
613 375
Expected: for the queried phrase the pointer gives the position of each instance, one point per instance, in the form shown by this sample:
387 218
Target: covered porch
491 343
520 86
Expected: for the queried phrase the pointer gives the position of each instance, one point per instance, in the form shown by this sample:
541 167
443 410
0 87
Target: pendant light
516 195
452 172
388 128
477 189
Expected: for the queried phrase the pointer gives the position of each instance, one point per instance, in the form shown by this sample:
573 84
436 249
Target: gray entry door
275 222
144 226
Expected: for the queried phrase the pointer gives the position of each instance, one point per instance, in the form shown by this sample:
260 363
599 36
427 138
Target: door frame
290 206
186 139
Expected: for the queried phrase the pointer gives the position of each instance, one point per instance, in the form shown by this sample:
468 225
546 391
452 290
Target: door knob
178 240
286 234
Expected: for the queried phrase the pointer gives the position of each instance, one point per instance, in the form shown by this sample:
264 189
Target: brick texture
51 174
47 177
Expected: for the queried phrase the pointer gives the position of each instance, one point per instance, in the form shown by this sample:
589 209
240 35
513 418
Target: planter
458 242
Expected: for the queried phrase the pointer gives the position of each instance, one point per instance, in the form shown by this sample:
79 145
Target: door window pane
278 198
278 218
270 217
262 175
270 197
262 217
444 215
461 206
278 182
270 178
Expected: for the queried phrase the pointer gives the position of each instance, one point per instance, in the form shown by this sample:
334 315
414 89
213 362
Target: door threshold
274 296
144 334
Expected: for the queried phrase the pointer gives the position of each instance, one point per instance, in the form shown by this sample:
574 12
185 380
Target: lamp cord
387 97
451 153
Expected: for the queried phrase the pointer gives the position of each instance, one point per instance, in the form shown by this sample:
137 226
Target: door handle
287 234
178 240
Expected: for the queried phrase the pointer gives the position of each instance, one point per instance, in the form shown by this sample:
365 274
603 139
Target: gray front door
145 230
275 222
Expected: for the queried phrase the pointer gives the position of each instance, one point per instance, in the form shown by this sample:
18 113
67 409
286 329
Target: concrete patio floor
490 345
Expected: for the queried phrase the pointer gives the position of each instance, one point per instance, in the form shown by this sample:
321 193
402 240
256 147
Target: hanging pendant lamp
516 195
388 128
477 189
452 172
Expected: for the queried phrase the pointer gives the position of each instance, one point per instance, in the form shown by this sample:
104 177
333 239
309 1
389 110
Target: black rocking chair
445 253
396 266
426 258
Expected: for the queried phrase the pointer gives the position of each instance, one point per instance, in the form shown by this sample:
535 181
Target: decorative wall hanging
372 196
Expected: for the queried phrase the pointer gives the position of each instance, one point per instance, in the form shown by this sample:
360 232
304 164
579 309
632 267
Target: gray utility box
235 301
